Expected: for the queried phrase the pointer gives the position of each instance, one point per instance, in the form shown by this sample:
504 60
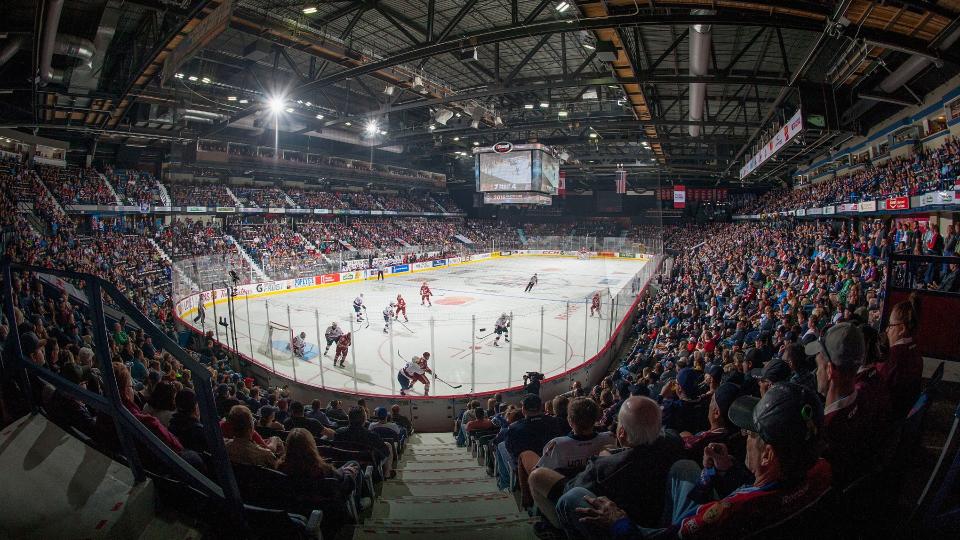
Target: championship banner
679 196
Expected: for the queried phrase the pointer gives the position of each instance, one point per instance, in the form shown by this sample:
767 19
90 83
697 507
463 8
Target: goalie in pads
415 371
299 344
501 328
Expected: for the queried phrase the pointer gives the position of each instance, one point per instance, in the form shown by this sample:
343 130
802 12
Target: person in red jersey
343 344
425 294
401 308
595 305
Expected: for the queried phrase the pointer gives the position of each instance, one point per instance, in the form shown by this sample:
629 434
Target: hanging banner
562 184
679 196
784 135
621 181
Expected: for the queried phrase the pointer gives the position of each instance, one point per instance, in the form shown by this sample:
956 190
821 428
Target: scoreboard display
521 174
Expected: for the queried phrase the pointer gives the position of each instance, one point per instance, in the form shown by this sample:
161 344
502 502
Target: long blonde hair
302 457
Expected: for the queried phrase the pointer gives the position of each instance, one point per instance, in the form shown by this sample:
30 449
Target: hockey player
595 304
531 283
501 327
401 308
388 317
332 334
299 344
357 306
343 343
425 295
415 370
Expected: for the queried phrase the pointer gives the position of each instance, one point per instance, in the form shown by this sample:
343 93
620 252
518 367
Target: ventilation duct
899 77
700 38
75 47
10 50
85 79
50 28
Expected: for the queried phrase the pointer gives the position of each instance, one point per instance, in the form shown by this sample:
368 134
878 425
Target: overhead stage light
528 106
562 6
192 78
309 10
231 98
319 117
289 109
544 105
372 128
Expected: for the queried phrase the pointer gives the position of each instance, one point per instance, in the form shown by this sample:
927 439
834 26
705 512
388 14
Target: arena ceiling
611 83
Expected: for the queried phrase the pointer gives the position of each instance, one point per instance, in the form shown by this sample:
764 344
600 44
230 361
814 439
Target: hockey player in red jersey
342 345
401 308
595 305
425 294
415 371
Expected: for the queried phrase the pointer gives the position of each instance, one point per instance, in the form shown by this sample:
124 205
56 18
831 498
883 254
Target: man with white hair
644 459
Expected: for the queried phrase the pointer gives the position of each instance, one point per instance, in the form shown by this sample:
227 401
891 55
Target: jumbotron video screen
505 172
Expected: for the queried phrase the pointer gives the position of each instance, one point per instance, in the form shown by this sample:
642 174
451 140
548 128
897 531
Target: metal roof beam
488 36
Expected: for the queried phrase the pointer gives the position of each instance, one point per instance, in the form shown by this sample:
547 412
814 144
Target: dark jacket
311 425
634 478
531 434
189 430
360 434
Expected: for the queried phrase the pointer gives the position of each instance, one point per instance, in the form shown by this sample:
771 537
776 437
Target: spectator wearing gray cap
721 430
853 423
783 453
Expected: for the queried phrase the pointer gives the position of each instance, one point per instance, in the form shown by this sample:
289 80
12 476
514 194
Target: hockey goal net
583 254
277 341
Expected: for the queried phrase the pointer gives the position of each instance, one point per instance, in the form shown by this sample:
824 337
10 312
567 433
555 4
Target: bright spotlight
276 105
372 128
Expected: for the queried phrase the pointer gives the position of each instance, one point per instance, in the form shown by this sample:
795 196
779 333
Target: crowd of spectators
74 185
206 194
134 187
260 197
756 374
920 172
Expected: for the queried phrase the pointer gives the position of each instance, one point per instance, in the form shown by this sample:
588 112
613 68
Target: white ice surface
483 290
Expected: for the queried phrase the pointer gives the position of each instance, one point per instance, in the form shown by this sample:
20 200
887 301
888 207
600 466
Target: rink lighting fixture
562 6
231 98
179 75
309 10
456 139
528 106
205 80
308 104
276 105
544 105
562 114
348 124
383 132
432 127
589 47
192 78
289 109
476 143
244 101
372 128
319 117
593 134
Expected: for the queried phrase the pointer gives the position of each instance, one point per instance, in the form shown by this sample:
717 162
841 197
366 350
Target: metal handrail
129 429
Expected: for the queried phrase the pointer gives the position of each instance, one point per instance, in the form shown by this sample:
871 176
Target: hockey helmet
334 324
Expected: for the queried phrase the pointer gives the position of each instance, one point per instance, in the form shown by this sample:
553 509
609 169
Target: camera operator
531 382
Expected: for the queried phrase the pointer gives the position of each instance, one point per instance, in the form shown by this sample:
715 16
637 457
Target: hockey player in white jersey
332 334
358 306
388 317
501 327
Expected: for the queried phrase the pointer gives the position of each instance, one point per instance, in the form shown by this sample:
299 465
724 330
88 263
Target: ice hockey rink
457 329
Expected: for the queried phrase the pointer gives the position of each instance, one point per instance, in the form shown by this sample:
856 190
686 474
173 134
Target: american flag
562 184
621 181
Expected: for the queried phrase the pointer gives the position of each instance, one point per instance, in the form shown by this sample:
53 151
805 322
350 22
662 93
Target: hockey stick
405 326
435 375
486 336
366 317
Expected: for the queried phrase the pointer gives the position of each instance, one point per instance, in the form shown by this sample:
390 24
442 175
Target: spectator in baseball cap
853 420
783 448
720 428
775 371
683 410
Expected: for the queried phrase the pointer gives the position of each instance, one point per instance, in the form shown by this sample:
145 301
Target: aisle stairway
440 491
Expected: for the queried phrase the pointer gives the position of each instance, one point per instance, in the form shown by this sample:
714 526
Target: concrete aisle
441 491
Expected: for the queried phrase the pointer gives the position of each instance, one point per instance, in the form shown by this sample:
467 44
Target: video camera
533 376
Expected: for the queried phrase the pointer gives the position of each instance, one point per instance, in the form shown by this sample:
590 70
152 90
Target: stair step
430 488
85 493
444 474
433 524
421 508
502 531
161 529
